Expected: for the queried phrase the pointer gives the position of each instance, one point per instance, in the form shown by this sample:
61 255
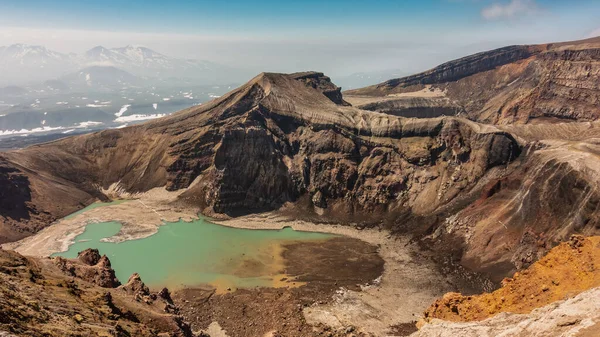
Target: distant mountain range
23 64
99 78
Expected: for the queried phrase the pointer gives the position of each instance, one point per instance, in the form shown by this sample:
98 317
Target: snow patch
122 111
88 123
26 131
134 118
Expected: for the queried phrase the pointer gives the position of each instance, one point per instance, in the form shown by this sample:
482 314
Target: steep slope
516 84
58 297
578 316
277 139
557 287
291 142
567 270
550 193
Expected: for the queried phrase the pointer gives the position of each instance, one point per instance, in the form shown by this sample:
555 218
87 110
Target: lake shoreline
140 217
406 273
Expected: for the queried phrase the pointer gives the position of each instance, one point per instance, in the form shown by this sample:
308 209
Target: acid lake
196 253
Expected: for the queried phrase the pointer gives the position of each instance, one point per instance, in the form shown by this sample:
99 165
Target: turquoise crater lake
196 253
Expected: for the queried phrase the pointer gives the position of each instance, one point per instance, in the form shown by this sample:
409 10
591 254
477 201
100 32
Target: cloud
510 10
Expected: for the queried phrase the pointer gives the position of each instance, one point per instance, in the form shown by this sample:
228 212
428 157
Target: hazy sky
337 37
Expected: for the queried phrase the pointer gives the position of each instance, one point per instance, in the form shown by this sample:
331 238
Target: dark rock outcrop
135 286
91 257
42 297
463 67
417 107
275 140
322 83
90 267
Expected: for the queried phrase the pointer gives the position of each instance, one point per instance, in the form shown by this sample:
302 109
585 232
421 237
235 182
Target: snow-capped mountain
21 64
130 56
23 54
103 55
147 62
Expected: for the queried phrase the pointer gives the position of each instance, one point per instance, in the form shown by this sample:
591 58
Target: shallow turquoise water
192 253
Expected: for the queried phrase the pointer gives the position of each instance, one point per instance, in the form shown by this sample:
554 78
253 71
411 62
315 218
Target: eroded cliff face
282 141
278 139
550 192
455 70
415 107
518 84
91 267
23 210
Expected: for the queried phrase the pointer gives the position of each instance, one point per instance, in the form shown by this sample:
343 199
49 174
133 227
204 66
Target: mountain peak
96 51
35 52
310 79
22 63
23 46
309 96
134 46
98 48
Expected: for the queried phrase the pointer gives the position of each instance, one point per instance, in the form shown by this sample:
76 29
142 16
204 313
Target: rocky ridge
39 297
91 267
290 140
517 84
277 139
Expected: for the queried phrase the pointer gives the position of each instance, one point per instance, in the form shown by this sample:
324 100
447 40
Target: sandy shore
140 218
